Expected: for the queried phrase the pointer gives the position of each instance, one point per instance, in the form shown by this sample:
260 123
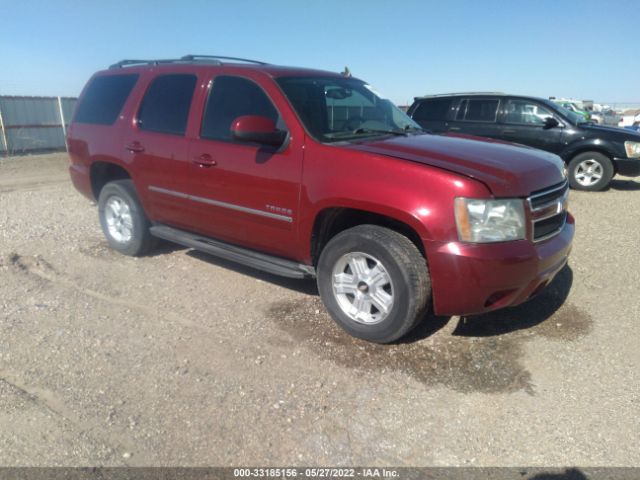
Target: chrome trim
559 202
549 190
217 203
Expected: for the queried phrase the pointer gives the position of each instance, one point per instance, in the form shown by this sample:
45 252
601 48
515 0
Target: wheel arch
330 221
572 151
102 172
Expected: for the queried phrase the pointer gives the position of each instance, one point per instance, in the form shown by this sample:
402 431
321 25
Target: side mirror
550 122
256 129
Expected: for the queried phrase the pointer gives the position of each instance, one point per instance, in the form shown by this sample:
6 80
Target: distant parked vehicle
572 107
606 117
593 153
635 127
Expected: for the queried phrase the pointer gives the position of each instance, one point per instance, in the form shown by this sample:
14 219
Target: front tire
590 171
122 218
374 282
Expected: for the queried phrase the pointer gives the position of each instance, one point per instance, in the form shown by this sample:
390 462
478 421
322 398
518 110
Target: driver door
524 122
244 193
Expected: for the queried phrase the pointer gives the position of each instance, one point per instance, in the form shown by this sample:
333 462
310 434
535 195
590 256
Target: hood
612 133
508 170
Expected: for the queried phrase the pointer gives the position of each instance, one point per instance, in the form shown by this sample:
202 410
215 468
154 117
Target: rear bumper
629 167
471 279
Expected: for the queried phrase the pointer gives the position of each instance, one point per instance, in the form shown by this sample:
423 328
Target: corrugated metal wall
31 124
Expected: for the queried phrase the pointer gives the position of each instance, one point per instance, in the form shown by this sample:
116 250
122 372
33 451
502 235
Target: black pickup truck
593 154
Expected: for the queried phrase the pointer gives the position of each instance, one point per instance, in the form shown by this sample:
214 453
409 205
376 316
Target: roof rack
462 93
129 63
214 59
195 58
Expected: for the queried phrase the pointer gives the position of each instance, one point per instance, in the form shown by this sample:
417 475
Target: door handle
135 147
508 130
204 160
454 128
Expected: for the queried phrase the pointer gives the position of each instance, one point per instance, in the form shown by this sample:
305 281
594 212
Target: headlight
484 221
633 149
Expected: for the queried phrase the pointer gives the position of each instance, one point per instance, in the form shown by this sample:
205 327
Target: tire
122 218
591 171
354 299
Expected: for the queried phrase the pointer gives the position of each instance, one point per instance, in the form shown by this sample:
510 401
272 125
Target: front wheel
590 171
374 282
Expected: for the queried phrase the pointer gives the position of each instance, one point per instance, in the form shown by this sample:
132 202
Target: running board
250 258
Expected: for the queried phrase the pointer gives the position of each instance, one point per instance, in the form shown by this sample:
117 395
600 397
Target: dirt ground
182 359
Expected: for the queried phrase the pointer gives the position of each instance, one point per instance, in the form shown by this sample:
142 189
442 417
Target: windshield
573 117
338 109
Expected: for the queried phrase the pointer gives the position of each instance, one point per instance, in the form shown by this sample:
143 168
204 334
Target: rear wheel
374 283
590 171
123 220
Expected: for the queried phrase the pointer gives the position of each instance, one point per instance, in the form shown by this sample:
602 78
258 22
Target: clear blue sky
583 49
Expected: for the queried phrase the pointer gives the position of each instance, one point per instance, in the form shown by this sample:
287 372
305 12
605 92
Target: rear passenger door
432 113
157 146
524 122
477 116
244 193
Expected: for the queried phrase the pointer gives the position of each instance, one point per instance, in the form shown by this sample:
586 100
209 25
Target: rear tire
122 218
590 171
374 282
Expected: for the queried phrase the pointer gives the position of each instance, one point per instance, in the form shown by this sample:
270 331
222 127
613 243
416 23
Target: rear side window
432 110
481 110
165 106
230 98
104 98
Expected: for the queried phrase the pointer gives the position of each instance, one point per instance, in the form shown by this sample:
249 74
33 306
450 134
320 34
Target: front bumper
468 279
629 167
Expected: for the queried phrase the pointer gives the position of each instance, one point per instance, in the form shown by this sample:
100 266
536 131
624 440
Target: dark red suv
307 173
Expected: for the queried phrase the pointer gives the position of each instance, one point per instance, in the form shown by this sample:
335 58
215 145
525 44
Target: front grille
548 195
548 226
549 211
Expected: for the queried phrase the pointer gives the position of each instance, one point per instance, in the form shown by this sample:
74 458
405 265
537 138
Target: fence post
64 128
4 135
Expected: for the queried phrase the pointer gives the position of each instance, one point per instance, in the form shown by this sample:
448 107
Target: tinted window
165 107
432 110
230 98
104 98
461 110
481 110
524 112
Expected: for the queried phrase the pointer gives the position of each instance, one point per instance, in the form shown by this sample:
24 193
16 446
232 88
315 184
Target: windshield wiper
411 128
360 130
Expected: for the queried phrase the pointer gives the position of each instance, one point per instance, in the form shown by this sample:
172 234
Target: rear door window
165 106
481 110
432 110
104 98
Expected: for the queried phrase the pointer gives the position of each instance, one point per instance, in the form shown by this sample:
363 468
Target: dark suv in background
594 154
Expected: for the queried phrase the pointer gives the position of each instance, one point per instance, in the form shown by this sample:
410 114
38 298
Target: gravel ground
182 359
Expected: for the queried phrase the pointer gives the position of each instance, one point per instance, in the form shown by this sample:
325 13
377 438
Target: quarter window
230 98
104 98
165 107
